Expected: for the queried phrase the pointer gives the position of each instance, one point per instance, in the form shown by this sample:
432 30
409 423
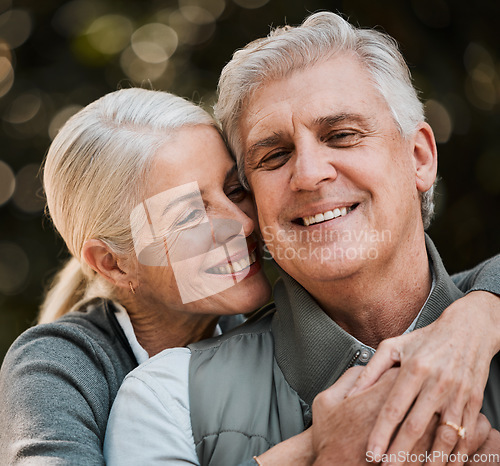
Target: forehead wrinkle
332 120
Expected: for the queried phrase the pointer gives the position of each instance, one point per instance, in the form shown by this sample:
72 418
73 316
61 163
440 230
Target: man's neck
373 305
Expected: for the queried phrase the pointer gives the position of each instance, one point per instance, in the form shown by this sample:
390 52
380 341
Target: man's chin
326 263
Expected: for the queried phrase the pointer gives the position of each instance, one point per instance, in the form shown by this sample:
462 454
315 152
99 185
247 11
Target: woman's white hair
321 36
95 174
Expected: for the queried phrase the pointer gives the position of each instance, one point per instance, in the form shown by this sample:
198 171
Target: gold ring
460 429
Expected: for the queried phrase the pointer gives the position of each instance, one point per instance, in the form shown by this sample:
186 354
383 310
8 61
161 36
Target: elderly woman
142 188
133 162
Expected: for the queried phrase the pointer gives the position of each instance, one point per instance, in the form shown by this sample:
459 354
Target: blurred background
57 56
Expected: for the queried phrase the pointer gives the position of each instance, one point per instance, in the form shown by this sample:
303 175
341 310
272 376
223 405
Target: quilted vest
253 387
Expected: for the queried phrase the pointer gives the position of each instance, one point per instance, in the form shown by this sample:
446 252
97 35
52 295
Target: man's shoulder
258 323
237 354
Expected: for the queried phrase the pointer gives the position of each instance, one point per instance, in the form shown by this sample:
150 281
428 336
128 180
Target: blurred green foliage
56 56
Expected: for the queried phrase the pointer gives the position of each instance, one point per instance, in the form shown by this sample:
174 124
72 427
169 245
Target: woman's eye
190 217
236 193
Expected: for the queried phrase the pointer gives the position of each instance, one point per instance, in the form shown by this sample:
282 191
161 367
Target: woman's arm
54 400
483 277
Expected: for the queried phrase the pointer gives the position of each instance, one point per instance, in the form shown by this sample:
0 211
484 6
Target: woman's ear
100 258
425 157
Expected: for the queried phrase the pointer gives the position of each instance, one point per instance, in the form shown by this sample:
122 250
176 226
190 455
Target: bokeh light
439 119
6 75
14 268
154 43
15 27
214 7
23 108
7 182
482 80
28 193
251 4
188 32
138 70
61 117
110 34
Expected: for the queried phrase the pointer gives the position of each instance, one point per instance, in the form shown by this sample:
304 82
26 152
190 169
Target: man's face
334 181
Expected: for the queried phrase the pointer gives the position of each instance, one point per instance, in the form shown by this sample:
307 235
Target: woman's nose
234 223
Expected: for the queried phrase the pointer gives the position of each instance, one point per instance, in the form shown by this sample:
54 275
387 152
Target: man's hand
341 425
444 369
488 453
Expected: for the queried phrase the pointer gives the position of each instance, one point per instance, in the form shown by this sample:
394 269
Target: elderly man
330 137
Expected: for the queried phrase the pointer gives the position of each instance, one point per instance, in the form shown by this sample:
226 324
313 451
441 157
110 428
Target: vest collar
313 351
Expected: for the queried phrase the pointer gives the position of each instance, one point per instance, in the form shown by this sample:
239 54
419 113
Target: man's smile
325 216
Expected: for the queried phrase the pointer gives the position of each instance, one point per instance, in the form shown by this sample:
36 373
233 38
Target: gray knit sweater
57 384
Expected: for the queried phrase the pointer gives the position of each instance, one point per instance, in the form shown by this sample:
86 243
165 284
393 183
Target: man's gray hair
321 36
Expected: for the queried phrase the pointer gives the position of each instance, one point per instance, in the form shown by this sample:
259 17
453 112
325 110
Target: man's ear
99 256
425 157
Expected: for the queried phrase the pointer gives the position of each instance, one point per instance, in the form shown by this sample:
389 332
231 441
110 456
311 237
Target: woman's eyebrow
185 197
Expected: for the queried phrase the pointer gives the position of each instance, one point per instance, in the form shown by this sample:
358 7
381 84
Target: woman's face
194 233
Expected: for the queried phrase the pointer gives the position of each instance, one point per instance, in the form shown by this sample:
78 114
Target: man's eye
274 160
342 138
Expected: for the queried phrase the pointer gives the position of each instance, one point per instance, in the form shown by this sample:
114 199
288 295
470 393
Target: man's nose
313 166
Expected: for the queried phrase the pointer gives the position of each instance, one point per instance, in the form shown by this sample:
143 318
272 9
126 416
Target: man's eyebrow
332 120
270 141
183 198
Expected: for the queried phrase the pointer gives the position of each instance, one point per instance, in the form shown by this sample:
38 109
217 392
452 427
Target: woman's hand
295 451
444 370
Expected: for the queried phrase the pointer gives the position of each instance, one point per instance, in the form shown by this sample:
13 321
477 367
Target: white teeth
234 267
322 217
221 269
328 215
237 266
